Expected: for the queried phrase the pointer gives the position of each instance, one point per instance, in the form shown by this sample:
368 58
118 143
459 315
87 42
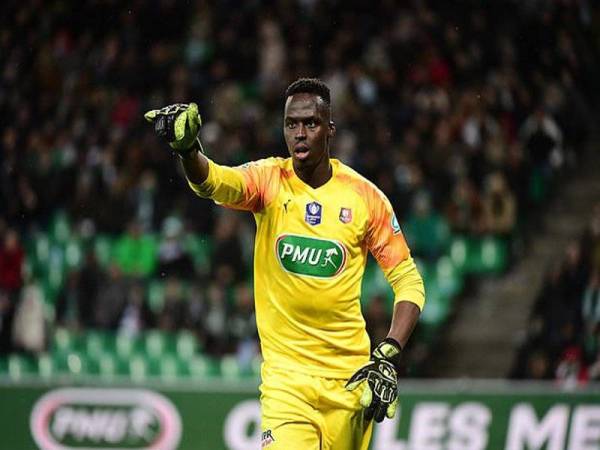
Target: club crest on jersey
345 215
313 213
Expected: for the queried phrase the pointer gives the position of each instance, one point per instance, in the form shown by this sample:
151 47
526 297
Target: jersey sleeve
244 187
387 244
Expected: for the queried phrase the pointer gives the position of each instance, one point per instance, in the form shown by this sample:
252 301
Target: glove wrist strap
393 354
192 151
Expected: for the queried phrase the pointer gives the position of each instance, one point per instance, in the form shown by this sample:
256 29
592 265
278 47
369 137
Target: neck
315 176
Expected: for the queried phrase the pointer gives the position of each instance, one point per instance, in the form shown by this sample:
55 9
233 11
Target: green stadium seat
459 252
45 366
168 368
138 368
494 252
108 366
437 307
72 363
201 367
186 344
20 366
63 341
448 278
60 229
126 345
229 367
157 343
96 343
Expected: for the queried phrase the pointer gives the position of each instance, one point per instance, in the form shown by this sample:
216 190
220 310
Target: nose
300 132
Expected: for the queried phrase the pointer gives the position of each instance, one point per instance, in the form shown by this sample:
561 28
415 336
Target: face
307 129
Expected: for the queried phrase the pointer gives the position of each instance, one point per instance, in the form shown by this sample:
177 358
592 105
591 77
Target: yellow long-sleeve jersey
309 258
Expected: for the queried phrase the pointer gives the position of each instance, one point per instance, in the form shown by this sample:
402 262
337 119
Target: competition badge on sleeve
313 213
395 225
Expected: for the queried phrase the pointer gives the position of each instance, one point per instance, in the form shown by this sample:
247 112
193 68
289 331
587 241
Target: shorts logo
395 225
313 213
267 438
313 257
345 215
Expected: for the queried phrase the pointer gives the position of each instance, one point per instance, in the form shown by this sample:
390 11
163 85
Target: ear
332 128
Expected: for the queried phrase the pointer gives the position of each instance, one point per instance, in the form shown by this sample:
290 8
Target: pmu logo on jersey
266 439
313 213
313 257
96 418
345 215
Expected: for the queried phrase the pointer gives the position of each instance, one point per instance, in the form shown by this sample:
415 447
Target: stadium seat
126 345
186 344
157 343
200 367
45 366
60 229
229 367
448 278
20 366
63 340
138 368
96 342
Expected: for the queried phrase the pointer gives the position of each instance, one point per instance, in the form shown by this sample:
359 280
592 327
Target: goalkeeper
316 219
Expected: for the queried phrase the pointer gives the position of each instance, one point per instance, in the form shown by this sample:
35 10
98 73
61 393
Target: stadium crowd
563 341
465 114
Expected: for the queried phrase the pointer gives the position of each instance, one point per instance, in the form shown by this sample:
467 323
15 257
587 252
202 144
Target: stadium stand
467 115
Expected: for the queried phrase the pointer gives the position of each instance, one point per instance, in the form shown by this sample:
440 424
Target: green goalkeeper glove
179 124
380 397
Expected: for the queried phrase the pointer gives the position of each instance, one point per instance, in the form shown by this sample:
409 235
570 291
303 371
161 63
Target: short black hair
309 86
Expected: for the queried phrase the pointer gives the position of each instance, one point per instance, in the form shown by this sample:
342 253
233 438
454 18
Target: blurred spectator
173 259
29 327
111 300
91 279
135 252
464 210
228 264
12 258
136 316
69 304
499 206
242 327
174 313
426 230
215 320
571 370
543 140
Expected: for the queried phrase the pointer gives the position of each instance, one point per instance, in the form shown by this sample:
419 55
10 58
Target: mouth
301 152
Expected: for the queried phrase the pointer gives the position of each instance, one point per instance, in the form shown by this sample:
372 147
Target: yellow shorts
304 412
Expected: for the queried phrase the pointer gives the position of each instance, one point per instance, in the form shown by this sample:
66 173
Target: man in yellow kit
316 218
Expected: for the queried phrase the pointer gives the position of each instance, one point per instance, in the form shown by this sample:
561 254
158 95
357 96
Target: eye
290 125
311 124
